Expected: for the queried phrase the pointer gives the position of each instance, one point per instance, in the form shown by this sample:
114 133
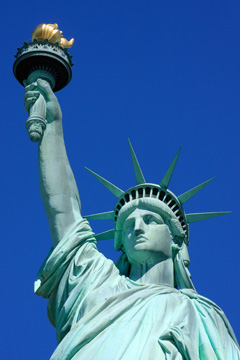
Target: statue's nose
139 227
138 232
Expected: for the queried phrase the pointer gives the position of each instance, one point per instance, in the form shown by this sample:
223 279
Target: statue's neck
160 273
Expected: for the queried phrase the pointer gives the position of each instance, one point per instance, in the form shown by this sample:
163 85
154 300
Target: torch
45 57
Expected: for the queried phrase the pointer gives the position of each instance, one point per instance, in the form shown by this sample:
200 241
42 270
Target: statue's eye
151 220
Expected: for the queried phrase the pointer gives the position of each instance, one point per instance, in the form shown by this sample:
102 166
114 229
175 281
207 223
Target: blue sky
163 73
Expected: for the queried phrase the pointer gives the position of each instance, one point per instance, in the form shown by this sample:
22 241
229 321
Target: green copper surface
101 216
167 177
114 189
137 170
145 306
191 218
106 235
190 193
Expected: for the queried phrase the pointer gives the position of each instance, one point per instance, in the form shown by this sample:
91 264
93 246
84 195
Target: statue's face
146 238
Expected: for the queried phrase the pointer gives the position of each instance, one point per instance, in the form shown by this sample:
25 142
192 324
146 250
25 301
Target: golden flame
52 33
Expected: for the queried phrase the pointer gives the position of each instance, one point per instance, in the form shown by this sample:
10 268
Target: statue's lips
140 239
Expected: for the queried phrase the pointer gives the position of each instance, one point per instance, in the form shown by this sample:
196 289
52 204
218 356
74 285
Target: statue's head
148 232
149 221
145 199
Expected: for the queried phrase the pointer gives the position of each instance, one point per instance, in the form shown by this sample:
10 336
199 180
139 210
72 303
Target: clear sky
163 73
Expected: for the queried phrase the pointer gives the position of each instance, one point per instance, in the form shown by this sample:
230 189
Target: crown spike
114 189
191 218
190 193
137 170
106 235
101 216
167 177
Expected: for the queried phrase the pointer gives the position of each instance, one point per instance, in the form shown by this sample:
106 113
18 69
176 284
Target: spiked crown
148 190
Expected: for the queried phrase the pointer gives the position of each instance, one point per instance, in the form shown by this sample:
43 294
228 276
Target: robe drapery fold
101 315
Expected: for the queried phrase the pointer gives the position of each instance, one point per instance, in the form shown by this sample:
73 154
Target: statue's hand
32 93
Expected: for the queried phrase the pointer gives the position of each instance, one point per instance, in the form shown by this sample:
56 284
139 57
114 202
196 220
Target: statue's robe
101 315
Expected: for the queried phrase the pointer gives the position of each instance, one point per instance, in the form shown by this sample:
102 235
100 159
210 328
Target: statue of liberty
144 307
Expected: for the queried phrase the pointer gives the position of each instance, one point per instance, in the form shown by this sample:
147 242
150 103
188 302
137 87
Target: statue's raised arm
57 184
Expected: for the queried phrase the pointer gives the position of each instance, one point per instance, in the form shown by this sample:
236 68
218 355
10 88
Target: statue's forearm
57 184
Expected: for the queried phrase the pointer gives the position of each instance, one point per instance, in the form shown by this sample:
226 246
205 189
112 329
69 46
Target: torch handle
36 123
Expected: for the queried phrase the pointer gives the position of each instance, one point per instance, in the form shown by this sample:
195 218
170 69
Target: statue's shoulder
194 296
210 309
